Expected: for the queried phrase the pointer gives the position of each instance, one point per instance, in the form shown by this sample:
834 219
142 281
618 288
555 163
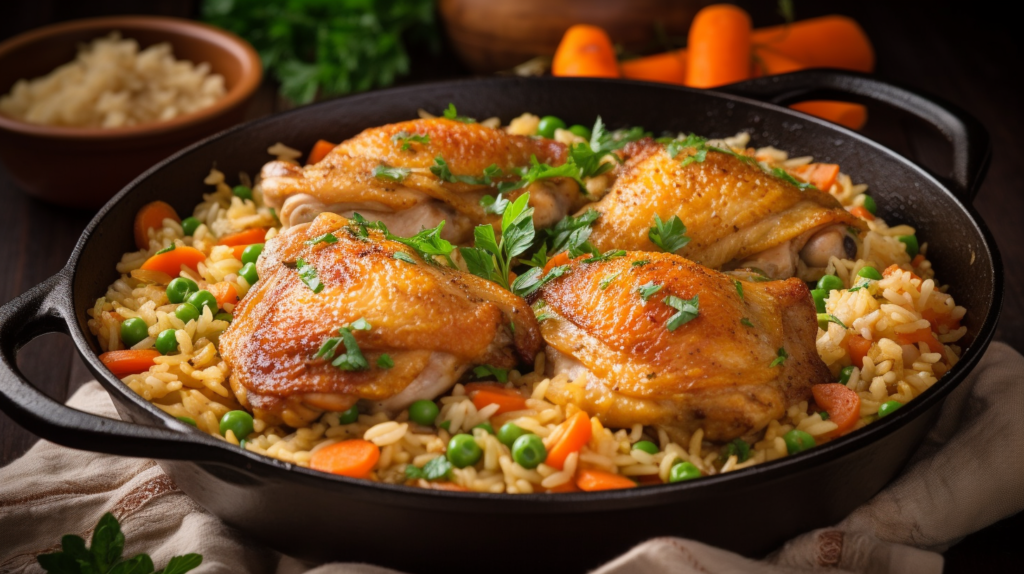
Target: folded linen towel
965 476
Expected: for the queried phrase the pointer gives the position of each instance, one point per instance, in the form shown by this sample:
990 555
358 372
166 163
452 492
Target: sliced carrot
484 394
920 336
238 250
559 259
170 262
940 319
917 260
862 212
719 47
354 457
841 403
593 480
320 150
224 292
152 216
893 269
852 116
128 362
573 434
825 42
247 237
820 175
585 51
858 347
667 68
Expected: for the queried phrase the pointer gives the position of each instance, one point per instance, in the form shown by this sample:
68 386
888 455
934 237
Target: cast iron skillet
320 517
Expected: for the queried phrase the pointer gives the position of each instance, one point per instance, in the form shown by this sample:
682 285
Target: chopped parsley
388 173
360 324
607 256
746 322
738 448
648 290
494 205
687 310
669 235
352 359
428 244
482 371
492 258
443 171
608 280
309 276
404 140
384 361
571 233
785 176
403 256
780 357
435 469
167 249
451 113
825 318
739 287
325 238
640 262
525 284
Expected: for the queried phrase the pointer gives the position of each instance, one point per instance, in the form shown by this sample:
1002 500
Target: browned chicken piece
737 216
344 183
433 322
631 361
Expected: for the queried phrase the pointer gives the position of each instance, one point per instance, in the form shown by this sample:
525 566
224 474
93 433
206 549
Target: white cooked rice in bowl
903 327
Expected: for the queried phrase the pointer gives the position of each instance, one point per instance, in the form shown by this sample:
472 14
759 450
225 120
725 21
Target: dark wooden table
966 56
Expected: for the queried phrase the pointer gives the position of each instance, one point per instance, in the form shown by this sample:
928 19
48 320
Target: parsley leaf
539 171
441 170
527 283
571 232
384 361
647 290
309 276
539 257
428 243
739 287
739 447
489 371
780 357
435 469
785 176
607 256
167 249
746 322
451 114
405 140
492 259
493 205
403 256
697 157
604 283
687 310
360 324
325 238
388 173
640 262
668 235
352 359
825 318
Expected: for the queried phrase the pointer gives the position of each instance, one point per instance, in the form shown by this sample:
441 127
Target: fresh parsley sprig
669 235
780 357
494 205
404 140
388 173
428 243
434 469
308 275
452 114
686 311
531 280
648 290
352 359
492 258
483 371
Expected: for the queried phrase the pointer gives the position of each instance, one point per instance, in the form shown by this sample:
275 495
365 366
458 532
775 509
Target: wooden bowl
84 167
489 36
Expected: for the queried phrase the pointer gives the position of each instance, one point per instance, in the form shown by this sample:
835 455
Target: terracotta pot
489 35
84 167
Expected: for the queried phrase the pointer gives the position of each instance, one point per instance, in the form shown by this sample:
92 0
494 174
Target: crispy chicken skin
343 182
714 372
736 214
434 322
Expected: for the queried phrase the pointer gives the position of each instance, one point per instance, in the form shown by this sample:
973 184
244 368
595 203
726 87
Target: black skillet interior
259 495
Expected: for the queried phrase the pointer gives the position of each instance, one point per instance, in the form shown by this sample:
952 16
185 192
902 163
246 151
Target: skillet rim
244 461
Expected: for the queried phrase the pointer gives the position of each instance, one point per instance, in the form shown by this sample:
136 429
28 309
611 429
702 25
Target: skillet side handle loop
38 312
969 138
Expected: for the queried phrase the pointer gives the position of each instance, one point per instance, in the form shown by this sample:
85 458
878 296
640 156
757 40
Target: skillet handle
969 138
41 311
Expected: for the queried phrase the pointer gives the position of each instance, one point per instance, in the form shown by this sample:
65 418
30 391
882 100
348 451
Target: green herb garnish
403 256
384 361
388 173
780 357
435 469
825 318
607 256
668 235
648 290
493 205
325 238
451 114
739 287
488 371
687 310
525 284
640 262
785 176
604 283
746 322
309 276
405 140
491 258
352 359
167 249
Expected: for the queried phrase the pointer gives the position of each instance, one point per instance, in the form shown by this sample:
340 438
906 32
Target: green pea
238 422
203 298
423 412
830 283
486 426
508 433
188 420
797 441
824 415
186 312
646 446
180 288
683 470
248 271
548 125
166 342
350 416
133 330
242 191
888 407
819 296
224 316
252 253
528 451
845 373
582 131
189 225
911 242
869 272
870 205
463 451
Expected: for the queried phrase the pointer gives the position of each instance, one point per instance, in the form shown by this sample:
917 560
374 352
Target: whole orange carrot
667 68
825 42
719 47
585 51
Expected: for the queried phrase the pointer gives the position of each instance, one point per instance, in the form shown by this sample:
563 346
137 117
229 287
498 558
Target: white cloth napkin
964 477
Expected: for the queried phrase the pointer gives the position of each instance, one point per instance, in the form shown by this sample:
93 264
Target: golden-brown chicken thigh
619 330
736 214
344 182
431 322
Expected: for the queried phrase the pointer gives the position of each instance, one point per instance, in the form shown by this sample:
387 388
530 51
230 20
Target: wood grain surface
970 57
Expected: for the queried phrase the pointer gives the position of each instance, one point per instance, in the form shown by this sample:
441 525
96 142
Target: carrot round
858 347
575 432
825 42
224 292
128 362
841 403
355 458
719 47
320 150
247 237
585 51
921 336
152 216
170 262
820 175
863 213
667 68
484 394
593 480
